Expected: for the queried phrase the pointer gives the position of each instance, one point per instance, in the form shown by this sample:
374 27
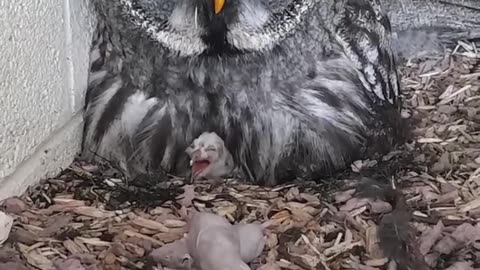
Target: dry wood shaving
87 218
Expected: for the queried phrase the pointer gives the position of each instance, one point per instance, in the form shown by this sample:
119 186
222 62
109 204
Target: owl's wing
364 32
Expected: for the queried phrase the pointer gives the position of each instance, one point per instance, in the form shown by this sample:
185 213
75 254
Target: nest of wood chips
88 218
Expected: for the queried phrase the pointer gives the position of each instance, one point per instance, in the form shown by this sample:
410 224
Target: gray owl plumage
295 88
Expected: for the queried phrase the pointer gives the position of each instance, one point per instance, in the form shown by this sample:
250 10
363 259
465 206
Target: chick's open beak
218 6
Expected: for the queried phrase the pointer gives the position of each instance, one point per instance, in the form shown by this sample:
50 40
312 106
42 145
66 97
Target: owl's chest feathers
233 86
227 77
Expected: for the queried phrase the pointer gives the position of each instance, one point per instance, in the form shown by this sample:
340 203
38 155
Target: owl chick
210 159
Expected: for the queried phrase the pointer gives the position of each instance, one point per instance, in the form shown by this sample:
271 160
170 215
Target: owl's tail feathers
414 43
426 27
396 237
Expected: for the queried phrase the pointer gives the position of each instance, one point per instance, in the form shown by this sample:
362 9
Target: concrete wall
44 48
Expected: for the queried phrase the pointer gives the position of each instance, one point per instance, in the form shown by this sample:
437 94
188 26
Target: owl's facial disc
195 27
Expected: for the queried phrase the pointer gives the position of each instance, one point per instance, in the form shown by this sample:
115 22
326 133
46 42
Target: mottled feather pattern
295 92
365 34
276 128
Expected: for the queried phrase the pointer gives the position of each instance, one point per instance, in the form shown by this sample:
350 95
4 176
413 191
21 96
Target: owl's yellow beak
218 5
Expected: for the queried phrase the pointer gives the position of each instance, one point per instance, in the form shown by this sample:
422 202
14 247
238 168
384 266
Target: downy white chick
210 159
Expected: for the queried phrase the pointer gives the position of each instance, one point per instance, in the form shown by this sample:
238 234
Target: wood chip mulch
425 216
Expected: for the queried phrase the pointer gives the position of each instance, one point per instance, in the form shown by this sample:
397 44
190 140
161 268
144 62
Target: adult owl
295 88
